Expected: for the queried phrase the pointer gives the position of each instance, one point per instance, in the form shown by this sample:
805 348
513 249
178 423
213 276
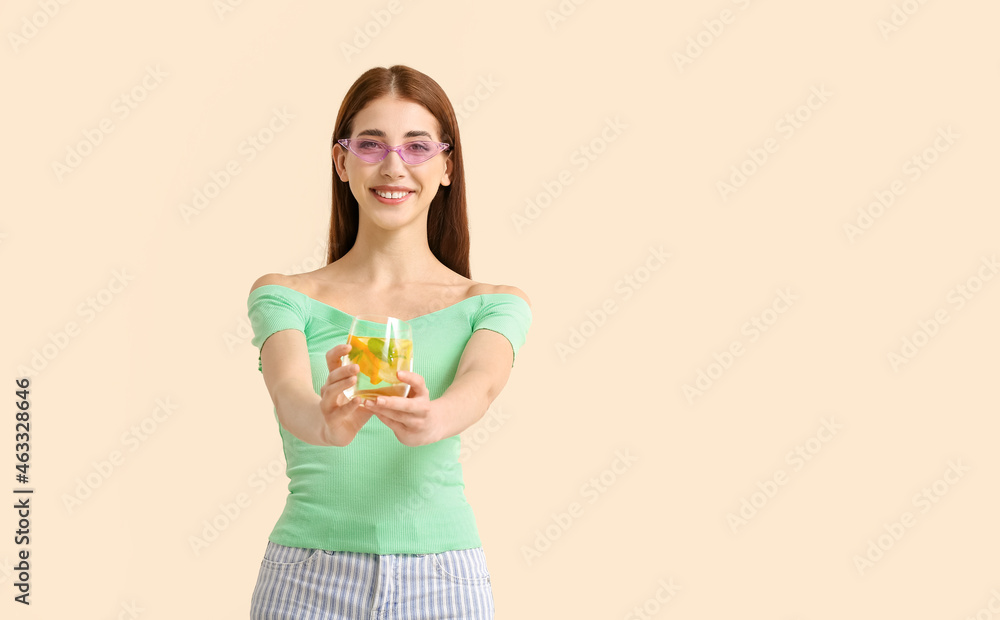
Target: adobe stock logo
370 30
592 489
752 329
652 605
224 7
103 469
914 168
563 11
122 107
253 145
900 15
88 310
713 29
626 287
990 610
751 505
893 532
31 26
230 511
959 295
786 126
582 158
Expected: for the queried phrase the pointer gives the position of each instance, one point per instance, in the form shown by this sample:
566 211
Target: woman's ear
448 166
338 161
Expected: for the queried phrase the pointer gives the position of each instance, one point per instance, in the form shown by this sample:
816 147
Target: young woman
376 523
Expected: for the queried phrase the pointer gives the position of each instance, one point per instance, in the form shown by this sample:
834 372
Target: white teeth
392 195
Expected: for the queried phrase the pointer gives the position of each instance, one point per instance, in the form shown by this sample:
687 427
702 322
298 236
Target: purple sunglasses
373 151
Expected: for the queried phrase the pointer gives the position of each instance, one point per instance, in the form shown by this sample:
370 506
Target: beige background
532 92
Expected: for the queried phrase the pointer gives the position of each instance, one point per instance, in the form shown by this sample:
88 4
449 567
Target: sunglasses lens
369 150
418 152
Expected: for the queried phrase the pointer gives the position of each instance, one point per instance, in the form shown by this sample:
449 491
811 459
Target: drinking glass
380 345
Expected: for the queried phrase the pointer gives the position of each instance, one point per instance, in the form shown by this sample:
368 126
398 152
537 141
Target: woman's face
393 122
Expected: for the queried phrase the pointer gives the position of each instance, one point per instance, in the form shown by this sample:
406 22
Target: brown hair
447 219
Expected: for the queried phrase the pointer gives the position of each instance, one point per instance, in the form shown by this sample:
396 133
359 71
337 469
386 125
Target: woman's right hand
344 417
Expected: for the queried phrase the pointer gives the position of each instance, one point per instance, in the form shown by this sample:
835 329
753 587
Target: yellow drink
378 360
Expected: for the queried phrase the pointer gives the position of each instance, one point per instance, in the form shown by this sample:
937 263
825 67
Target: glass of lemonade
380 345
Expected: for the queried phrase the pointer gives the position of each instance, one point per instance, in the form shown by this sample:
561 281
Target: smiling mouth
391 195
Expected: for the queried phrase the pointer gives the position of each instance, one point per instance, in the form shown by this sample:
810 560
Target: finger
341 378
418 387
390 407
391 422
401 409
334 355
357 414
343 372
336 406
335 386
346 418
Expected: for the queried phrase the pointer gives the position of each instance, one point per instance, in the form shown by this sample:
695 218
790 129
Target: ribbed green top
377 495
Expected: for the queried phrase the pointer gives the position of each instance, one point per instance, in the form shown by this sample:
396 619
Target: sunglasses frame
347 143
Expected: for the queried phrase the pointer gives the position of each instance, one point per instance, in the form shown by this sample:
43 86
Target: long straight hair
447 218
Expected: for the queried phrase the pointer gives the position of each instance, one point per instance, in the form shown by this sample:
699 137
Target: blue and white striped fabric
312 584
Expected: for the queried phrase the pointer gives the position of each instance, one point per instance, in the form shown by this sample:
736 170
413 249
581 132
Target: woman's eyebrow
413 133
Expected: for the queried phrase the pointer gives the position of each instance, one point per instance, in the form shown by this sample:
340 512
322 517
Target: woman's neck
387 265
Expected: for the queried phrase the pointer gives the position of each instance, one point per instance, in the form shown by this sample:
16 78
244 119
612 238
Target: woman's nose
392 164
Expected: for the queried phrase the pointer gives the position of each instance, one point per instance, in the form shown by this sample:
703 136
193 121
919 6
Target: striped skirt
312 584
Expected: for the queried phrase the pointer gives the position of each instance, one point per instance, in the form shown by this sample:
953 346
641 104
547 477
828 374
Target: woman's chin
393 221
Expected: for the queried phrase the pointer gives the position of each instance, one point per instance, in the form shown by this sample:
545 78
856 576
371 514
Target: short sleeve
270 309
508 315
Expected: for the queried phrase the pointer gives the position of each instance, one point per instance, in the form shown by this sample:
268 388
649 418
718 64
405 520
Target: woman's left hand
415 419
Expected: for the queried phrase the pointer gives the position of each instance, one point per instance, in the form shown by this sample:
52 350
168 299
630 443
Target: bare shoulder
481 288
276 278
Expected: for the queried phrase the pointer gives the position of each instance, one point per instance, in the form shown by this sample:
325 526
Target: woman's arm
284 361
482 374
